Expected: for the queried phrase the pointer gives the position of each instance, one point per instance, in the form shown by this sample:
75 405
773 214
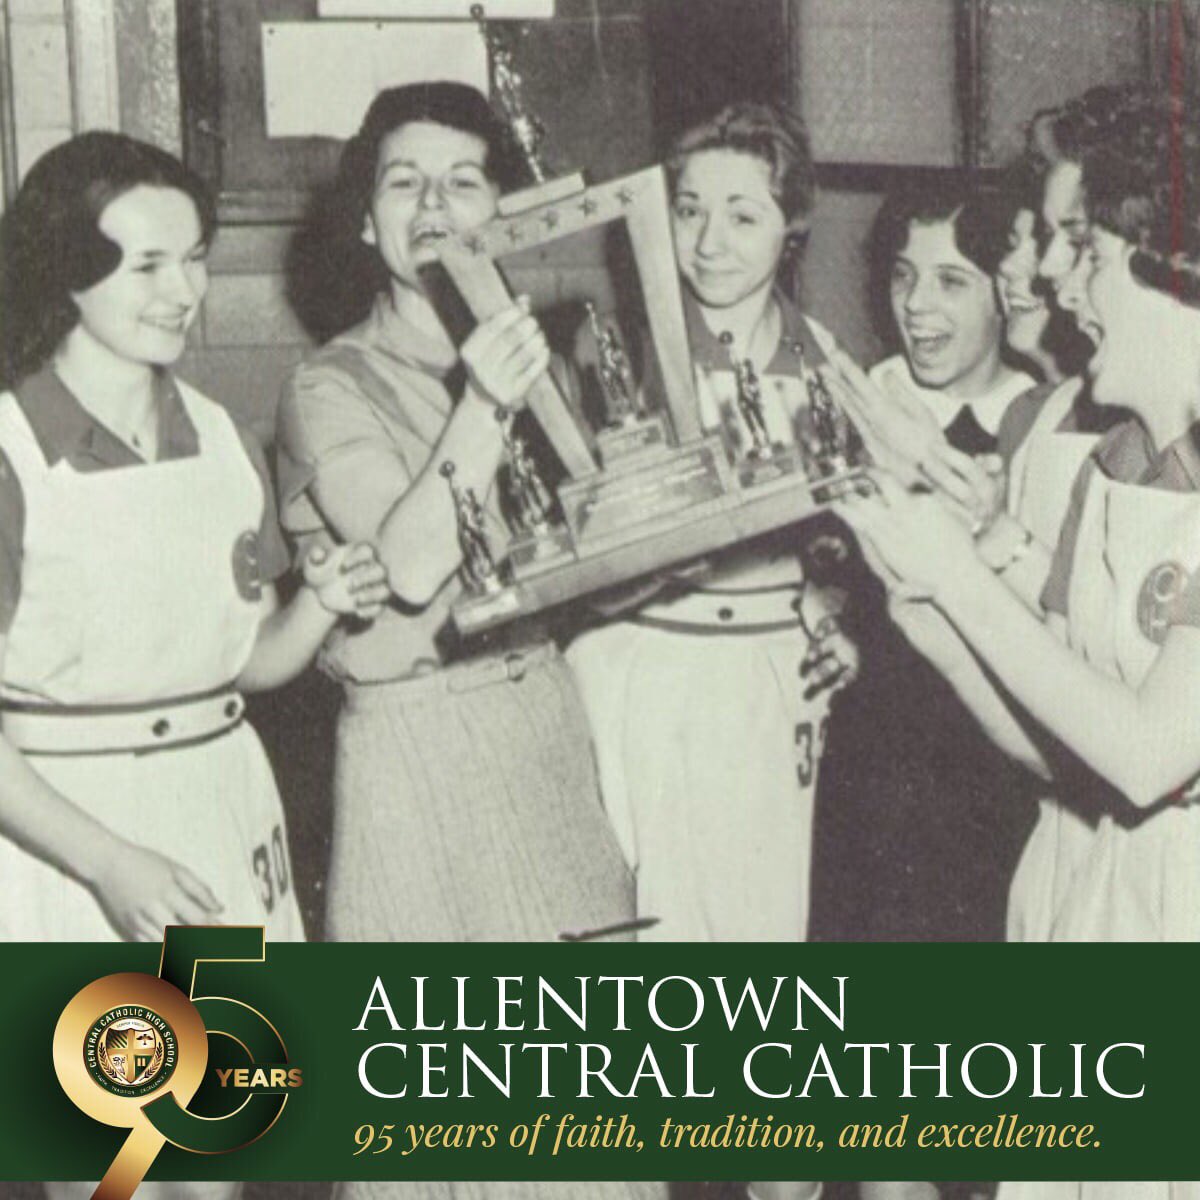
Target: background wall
40 68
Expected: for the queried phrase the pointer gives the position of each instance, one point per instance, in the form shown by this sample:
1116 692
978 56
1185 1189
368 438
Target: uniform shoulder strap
18 441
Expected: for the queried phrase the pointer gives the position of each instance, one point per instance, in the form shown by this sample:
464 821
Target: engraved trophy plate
780 466
690 479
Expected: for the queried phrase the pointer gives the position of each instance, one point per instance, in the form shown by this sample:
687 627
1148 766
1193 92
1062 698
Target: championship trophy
648 488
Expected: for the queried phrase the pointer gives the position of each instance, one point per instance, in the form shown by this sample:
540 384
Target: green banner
670 1062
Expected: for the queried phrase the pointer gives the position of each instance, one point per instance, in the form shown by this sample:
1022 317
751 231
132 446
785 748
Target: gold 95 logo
146 1053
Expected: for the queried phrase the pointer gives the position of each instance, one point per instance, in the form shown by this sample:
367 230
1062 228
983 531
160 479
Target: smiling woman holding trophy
466 804
708 704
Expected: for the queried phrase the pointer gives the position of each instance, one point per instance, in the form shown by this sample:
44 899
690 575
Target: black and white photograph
595 471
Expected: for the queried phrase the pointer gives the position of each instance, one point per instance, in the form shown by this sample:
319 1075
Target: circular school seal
1159 600
130 1050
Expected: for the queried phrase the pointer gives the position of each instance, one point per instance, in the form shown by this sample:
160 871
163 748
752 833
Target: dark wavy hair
1142 182
50 239
333 276
981 218
1069 131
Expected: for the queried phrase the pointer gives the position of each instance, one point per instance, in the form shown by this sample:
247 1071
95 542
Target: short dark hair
1086 120
455 105
50 239
776 136
1142 182
981 219
333 277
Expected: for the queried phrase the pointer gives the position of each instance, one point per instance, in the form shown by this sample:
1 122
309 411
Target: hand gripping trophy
478 566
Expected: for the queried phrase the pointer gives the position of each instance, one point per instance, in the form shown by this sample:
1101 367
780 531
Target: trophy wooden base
559 188
658 541
533 553
780 466
834 478
610 503
639 438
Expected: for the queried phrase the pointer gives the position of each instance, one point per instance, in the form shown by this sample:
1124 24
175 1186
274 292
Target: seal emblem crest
1159 598
130 1051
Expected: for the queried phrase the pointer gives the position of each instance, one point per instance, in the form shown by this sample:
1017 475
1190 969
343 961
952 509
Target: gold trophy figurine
749 401
478 566
630 434
620 406
538 542
829 434
527 131
530 496
832 445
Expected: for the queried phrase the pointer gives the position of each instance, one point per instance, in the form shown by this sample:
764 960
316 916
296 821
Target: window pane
877 80
1038 53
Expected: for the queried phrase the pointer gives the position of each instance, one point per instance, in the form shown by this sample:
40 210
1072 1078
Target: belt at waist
68 729
725 612
432 679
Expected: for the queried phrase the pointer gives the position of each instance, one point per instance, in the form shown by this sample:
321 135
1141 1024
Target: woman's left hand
913 534
347 580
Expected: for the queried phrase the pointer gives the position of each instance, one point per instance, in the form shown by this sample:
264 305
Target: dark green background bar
924 994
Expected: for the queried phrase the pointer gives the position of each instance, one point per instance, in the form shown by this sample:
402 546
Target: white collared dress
138 589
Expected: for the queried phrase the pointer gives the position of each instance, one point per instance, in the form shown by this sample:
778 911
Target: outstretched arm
1145 741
